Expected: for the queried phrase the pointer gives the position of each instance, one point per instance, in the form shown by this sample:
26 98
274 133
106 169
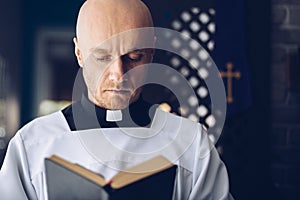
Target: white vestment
200 175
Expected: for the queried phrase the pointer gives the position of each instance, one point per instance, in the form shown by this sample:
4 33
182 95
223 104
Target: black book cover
69 181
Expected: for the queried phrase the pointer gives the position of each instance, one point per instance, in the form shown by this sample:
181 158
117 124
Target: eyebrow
136 51
99 50
133 50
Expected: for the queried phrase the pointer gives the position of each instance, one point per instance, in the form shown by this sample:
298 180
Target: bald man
109 44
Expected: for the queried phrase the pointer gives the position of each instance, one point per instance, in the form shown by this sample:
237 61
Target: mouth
118 92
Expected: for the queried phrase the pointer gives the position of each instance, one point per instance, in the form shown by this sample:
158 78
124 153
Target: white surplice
200 175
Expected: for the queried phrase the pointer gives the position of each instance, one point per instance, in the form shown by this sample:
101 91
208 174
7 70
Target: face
113 70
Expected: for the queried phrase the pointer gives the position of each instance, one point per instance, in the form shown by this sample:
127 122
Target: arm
15 182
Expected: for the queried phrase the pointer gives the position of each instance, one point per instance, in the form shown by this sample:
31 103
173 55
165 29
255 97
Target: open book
152 179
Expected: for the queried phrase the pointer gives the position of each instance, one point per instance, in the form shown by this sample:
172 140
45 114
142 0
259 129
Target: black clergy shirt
84 114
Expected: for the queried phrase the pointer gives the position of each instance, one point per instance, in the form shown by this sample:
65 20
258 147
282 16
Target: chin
117 104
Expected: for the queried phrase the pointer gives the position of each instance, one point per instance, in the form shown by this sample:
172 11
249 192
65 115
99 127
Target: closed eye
133 57
106 58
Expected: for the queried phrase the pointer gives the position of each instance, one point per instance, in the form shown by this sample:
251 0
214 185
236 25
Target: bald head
105 18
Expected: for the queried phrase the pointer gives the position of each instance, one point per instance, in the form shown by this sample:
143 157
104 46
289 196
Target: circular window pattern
199 25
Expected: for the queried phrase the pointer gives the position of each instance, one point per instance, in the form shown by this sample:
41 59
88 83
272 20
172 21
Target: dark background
260 145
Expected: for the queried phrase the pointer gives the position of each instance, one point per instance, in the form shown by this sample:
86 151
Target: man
105 61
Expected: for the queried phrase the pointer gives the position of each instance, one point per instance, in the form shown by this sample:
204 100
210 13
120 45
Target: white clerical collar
113 115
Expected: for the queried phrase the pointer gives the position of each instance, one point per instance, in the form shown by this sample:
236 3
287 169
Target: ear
77 52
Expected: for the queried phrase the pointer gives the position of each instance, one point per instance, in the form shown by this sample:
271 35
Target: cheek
102 81
138 78
92 77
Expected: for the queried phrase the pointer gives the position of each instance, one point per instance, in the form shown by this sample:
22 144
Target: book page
140 171
88 174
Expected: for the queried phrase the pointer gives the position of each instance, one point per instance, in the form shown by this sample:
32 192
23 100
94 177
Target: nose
116 70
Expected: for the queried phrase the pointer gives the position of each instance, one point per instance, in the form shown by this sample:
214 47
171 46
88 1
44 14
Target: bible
152 179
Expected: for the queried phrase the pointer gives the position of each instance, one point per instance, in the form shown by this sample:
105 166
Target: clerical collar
86 115
114 115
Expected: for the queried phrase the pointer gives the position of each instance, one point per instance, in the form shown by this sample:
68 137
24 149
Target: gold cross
229 75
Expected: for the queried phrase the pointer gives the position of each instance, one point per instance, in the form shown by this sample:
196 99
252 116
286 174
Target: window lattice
199 25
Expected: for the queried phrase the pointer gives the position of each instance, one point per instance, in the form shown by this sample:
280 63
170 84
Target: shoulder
52 124
177 123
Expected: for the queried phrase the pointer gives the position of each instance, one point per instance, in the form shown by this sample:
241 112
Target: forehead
100 20
124 42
